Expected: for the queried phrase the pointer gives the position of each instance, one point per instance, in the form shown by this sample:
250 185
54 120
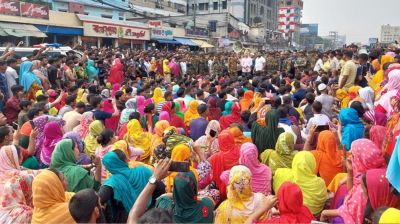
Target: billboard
24 9
309 29
9 7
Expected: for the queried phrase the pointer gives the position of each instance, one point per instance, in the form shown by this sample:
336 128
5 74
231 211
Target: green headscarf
266 137
283 154
178 110
63 159
228 108
185 207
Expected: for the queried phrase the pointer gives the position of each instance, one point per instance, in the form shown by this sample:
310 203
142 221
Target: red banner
32 10
9 7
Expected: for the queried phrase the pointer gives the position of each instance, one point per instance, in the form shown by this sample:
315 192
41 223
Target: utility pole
194 15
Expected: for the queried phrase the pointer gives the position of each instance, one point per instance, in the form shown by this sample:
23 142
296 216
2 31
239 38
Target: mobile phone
213 133
267 100
322 128
15 126
179 166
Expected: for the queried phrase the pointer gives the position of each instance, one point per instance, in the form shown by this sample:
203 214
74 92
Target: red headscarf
379 193
234 117
377 134
225 159
214 110
175 120
116 72
291 207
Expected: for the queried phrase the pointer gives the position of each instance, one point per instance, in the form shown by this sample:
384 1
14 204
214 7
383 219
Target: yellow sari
378 78
158 96
91 144
302 173
157 139
136 137
191 113
343 97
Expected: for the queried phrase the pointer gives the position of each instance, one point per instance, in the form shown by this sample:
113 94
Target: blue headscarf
228 108
91 70
393 170
27 78
352 127
127 183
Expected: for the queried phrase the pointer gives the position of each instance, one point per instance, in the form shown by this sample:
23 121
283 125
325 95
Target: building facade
390 34
289 23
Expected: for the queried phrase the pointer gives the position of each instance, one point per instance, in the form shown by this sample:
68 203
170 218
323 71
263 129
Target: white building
389 33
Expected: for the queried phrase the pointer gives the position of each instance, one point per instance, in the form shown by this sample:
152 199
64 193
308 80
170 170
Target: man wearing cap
326 100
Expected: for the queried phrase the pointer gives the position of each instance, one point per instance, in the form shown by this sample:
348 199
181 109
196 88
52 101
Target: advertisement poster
36 11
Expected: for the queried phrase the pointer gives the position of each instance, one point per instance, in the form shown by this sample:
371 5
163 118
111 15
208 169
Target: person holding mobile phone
209 142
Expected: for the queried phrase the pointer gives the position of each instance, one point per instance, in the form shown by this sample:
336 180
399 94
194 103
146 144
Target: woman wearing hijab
50 201
83 127
140 102
130 107
227 157
246 101
185 205
91 70
106 140
36 64
302 173
138 138
53 133
175 117
327 157
241 202
158 96
377 135
116 72
123 187
191 113
209 142
164 116
266 137
76 138
214 109
375 118
393 170
157 138
367 94
384 103
378 78
352 127
28 80
283 154
234 117
237 133
91 144
177 110
227 108
291 207
64 159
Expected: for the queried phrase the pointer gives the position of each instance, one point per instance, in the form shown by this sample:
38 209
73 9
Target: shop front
163 37
110 33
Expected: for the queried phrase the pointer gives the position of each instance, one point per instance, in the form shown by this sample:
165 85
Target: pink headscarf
83 127
261 174
115 88
394 80
52 135
377 135
140 102
164 116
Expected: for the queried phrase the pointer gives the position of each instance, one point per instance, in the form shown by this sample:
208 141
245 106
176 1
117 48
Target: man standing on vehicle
11 74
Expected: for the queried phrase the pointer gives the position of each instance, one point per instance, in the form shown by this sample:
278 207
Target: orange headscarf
245 102
238 135
328 159
157 140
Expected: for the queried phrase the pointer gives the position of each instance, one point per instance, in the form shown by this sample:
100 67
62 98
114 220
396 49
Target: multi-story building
289 23
389 34
177 6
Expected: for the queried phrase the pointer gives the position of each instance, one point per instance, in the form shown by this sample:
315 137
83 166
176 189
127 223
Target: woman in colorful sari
351 127
158 96
53 133
209 142
83 127
266 137
106 140
343 97
130 107
50 201
227 108
393 173
16 200
157 138
247 99
327 157
91 144
28 80
227 157
140 102
123 187
241 202
177 110
116 72
191 113
214 109
74 136
283 154
384 103
112 122
132 154
185 206
176 119
237 133
64 159
234 117
91 71
378 78
377 135
302 173
164 116
43 79
138 138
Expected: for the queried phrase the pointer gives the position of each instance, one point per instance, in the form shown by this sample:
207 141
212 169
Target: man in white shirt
259 64
318 119
183 67
246 62
320 64
333 61
11 74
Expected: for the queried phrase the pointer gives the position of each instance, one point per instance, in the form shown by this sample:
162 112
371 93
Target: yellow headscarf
192 112
180 153
343 97
379 76
136 137
158 96
353 92
79 95
50 202
391 215
91 144
302 173
157 139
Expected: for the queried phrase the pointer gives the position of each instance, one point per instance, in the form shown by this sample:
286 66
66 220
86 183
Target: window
203 6
224 5
262 10
269 3
269 14
215 5
121 18
63 10
106 16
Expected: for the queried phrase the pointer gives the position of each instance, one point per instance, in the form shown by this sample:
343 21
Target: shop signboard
36 11
157 33
155 23
92 29
203 32
9 7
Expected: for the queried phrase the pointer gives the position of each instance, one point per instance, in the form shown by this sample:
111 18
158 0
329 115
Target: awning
60 30
20 30
185 41
164 41
202 43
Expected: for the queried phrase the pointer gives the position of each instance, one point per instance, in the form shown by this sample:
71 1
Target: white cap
321 87
24 59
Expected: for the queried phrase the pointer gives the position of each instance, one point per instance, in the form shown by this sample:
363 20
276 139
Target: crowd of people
134 136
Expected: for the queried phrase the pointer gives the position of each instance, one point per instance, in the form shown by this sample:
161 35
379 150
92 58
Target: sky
357 19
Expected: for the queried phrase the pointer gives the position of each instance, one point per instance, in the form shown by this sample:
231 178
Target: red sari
234 117
116 72
175 120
